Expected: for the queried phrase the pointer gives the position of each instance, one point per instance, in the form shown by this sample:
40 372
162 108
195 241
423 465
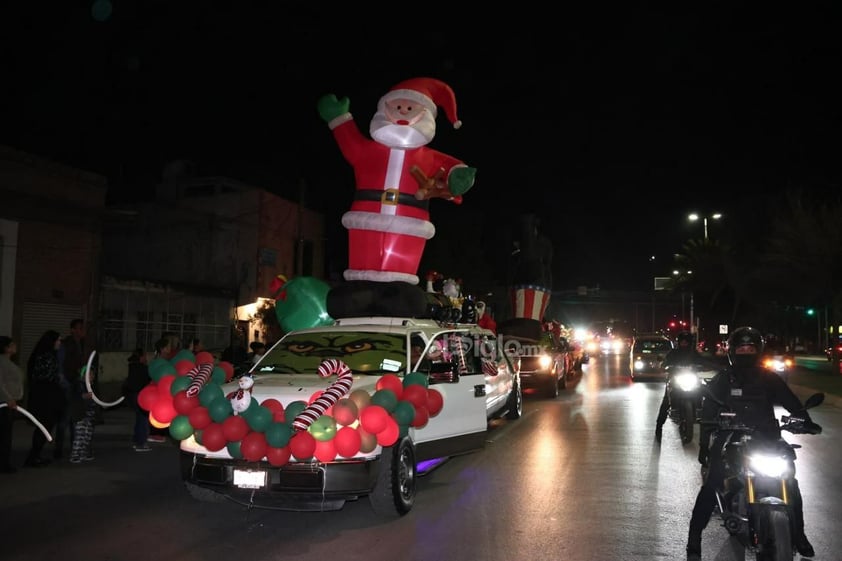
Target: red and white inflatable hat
429 92
530 301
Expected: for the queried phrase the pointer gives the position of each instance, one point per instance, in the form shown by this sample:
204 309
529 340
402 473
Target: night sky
610 124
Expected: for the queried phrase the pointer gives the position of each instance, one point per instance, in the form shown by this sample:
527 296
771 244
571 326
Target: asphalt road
577 478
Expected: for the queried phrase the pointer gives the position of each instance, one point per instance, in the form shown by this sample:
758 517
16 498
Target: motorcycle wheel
686 422
773 536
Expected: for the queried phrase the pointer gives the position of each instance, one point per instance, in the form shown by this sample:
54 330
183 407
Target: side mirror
814 400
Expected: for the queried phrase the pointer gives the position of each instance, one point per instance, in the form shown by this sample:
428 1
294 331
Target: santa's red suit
387 225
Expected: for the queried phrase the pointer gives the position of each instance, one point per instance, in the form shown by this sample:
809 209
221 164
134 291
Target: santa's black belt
390 197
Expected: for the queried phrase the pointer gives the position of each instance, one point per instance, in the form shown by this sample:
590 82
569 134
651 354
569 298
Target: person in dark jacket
137 379
684 354
47 392
751 392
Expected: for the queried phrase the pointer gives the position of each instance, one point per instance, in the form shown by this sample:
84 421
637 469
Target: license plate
249 479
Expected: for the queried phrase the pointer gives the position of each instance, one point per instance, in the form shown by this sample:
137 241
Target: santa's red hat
429 92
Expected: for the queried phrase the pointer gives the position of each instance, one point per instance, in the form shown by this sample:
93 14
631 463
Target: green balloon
293 410
385 399
210 393
219 410
183 354
415 378
180 427
403 430
260 418
180 383
234 450
303 303
404 413
278 434
323 428
218 375
160 367
197 436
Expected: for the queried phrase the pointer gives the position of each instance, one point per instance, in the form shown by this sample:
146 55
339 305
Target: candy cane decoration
33 419
330 396
88 385
200 374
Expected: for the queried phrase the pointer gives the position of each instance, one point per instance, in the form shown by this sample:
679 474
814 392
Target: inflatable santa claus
396 176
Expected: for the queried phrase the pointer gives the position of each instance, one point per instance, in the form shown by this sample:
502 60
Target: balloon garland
332 423
91 391
327 400
32 418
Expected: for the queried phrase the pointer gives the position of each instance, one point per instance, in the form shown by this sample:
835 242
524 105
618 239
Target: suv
647 356
460 361
544 367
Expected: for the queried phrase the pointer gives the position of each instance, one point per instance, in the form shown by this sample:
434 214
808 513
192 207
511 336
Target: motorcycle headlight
544 362
686 381
769 466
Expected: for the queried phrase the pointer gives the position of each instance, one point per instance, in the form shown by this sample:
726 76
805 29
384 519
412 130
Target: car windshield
653 346
367 353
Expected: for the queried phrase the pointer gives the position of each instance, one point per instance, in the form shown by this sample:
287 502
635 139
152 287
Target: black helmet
745 345
684 337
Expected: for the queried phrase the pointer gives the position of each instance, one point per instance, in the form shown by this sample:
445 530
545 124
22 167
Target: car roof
396 325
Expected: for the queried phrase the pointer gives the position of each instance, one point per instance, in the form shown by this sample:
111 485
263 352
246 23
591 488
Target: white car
460 361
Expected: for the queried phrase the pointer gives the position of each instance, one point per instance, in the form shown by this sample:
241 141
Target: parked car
834 352
475 379
647 356
544 367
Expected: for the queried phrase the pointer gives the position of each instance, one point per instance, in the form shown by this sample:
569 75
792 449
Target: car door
463 388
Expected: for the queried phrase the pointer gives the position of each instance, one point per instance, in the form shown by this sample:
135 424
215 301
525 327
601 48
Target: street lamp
694 216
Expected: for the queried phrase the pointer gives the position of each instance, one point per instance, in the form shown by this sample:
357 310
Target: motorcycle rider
751 392
685 354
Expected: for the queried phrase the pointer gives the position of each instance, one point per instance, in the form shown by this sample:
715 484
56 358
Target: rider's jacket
751 393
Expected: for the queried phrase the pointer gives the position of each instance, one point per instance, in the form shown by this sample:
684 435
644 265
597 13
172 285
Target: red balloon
416 394
272 405
199 418
389 435
184 404
348 441
278 456
183 366
315 396
422 417
302 445
390 382
163 411
325 450
148 396
165 384
213 437
435 401
228 368
253 447
373 418
345 411
279 416
204 357
235 427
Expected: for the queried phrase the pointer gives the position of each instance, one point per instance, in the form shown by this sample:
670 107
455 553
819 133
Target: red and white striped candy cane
200 374
330 396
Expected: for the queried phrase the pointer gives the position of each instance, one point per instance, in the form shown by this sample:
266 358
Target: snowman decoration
241 399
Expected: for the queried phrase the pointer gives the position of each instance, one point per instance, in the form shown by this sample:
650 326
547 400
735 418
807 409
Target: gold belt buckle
389 197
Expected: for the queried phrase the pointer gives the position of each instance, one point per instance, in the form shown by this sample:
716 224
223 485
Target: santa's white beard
402 136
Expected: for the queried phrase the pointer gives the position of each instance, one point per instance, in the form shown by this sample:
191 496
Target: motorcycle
753 505
684 391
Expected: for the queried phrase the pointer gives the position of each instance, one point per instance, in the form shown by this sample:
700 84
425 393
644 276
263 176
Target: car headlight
686 381
639 364
770 466
544 362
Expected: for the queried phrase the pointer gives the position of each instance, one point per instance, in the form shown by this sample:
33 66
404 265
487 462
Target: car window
653 346
366 353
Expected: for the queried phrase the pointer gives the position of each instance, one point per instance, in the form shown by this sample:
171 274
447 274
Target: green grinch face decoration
364 353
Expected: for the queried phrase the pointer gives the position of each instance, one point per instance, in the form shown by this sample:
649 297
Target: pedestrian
11 392
83 415
258 349
137 379
47 392
166 347
72 359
